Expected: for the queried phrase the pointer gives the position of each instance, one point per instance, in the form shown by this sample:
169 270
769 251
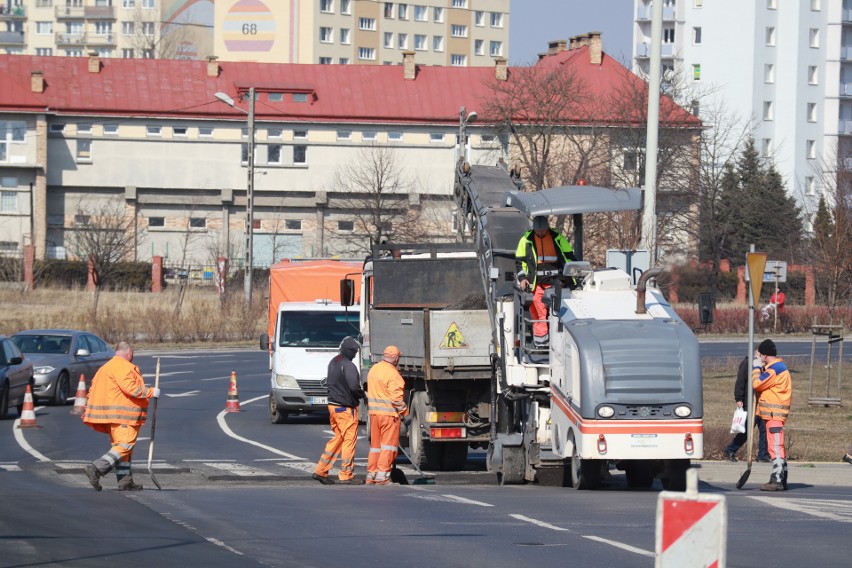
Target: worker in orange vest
117 405
386 402
771 380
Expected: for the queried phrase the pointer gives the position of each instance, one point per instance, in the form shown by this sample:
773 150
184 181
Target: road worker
541 254
771 380
344 396
386 402
117 405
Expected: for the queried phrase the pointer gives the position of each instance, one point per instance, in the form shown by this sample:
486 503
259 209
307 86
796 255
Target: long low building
167 142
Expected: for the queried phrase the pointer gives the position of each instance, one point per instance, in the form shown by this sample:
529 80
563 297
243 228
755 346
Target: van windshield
316 329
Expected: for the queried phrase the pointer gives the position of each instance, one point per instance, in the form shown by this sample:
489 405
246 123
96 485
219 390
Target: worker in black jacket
743 374
344 396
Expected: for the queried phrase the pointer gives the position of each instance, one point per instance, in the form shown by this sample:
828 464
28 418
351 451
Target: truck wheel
455 457
276 416
640 474
585 474
424 453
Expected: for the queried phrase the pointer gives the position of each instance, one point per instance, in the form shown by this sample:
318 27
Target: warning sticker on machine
453 339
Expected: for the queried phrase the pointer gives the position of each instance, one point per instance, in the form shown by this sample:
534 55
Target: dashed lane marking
833 510
10 467
539 523
622 546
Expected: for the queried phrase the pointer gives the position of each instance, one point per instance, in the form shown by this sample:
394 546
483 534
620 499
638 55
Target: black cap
767 347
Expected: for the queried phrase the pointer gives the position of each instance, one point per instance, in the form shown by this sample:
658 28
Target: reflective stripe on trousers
384 442
344 424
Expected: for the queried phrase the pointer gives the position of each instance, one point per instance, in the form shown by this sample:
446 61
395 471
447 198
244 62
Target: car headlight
286 382
683 411
43 370
606 411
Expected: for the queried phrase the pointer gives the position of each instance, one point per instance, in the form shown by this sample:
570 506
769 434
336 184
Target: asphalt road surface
237 492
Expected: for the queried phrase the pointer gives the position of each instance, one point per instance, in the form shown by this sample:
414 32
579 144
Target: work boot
772 485
324 479
94 476
350 481
127 484
732 456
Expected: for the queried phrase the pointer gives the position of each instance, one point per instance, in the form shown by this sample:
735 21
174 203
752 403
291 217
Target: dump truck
305 326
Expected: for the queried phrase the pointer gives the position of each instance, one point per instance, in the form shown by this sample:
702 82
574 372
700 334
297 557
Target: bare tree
375 193
155 40
104 235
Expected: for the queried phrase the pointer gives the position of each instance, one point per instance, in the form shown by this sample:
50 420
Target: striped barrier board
691 528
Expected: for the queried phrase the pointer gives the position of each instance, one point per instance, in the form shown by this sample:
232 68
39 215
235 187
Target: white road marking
176 395
219 379
224 426
19 437
467 501
622 546
429 496
840 511
238 469
10 467
169 374
539 523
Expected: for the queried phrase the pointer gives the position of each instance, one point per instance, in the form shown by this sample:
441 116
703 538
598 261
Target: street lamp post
464 120
249 264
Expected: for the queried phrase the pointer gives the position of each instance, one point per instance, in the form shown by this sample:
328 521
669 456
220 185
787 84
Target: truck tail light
601 444
688 445
444 433
444 417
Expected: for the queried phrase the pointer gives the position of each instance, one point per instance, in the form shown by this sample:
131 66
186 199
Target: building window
459 3
326 35
402 41
197 223
344 134
179 131
344 36
273 153
394 136
810 149
300 154
84 150
438 15
325 61
274 132
389 10
496 20
420 14
420 42
810 186
771 4
368 53
44 51
293 224
9 201
768 110
368 24
148 29
402 11
156 221
766 147
8 181
327 6
769 73
458 30
126 53
110 129
368 135
300 134
346 225
149 4
205 132
812 112
84 128
276 97
343 61
57 128
815 5
668 35
696 36
770 36
696 72
44 28
436 138
346 6
103 28
814 38
388 40
438 43
128 3
458 60
496 48
479 47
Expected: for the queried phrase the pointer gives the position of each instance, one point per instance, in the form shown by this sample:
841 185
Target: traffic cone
80 399
233 404
28 419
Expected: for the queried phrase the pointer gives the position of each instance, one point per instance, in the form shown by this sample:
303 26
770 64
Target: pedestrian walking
771 379
344 396
117 405
386 402
740 439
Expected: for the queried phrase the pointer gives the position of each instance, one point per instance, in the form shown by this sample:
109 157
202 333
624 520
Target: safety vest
775 387
386 390
549 255
118 395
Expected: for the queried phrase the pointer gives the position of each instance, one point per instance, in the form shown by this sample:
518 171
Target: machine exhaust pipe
642 285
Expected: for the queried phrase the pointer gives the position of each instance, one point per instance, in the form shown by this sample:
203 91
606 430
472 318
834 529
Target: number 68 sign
249 26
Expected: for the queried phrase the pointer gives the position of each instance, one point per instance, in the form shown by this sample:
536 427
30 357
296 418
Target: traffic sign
775 271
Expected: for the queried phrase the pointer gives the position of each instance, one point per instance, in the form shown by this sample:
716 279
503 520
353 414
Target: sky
532 23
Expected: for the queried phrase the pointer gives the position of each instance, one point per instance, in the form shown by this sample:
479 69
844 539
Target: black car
16 372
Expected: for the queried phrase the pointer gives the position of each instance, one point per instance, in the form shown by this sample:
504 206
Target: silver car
60 357
16 372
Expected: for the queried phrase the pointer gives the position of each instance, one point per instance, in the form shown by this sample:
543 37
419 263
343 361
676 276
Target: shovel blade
744 477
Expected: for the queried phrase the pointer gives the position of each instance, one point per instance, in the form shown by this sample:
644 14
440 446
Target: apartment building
458 33
785 67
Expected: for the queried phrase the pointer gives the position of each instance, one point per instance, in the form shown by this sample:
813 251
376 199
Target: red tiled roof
180 88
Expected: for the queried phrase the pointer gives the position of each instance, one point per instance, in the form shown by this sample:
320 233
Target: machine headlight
43 370
683 411
286 382
606 411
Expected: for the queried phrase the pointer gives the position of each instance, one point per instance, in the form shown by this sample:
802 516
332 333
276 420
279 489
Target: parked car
59 358
16 372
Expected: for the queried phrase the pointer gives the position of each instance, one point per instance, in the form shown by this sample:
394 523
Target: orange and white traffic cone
233 404
28 418
80 399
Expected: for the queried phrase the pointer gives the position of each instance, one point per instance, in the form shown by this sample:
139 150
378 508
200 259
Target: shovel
153 409
424 479
747 472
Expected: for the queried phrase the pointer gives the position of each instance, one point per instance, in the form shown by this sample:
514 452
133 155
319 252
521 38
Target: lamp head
224 98
471 117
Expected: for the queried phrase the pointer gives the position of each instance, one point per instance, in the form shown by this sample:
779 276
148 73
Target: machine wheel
640 474
455 457
4 401
62 389
512 469
674 475
585 474
424 453
276 416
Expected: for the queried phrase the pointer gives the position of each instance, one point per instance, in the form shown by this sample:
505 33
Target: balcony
846 16
12 39
844 127
845 53
79 39
12 13
100 39
643 50
845 90
85 13
76 39
646 14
